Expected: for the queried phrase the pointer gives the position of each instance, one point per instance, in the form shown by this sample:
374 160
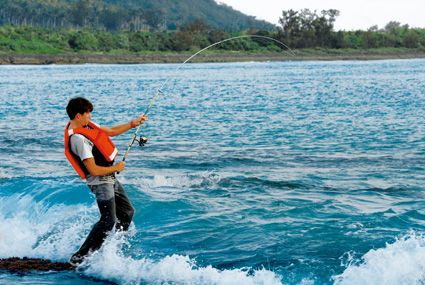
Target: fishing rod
142 140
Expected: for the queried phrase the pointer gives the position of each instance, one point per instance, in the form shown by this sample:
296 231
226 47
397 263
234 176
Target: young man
91 153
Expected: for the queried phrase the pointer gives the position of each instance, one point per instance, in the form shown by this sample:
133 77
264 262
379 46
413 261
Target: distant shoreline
300 55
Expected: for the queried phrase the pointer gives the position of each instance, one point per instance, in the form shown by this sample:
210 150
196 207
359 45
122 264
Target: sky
354 14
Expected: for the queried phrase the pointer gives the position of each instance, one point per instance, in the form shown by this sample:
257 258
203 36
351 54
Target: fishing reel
142 141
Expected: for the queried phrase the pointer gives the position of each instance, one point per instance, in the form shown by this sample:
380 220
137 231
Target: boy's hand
138 121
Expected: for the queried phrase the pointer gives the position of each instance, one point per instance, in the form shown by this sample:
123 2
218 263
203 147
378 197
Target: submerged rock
25 264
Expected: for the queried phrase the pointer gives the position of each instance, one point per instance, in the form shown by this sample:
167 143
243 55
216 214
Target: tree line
55 14
129 15
298 29
308 29
194 36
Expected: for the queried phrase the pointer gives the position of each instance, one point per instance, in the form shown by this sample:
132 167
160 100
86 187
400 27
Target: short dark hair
78 105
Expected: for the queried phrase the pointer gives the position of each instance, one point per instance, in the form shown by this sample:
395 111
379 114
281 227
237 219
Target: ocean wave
36 229
6 174
29 142
210 179
111 264
201 179
255 181
402 262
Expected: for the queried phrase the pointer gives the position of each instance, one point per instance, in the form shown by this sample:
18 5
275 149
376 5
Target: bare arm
96 170
119 129
116 130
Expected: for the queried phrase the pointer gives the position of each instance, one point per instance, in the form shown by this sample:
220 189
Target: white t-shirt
83 148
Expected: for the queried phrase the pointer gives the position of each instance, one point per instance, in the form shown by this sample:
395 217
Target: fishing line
159 91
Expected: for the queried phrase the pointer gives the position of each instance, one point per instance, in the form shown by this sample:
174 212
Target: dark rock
25 264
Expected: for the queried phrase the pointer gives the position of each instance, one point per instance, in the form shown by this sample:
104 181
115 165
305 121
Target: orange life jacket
100 140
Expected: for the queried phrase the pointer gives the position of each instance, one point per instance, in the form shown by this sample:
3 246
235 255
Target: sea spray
30 228
111 263
401 262
189 180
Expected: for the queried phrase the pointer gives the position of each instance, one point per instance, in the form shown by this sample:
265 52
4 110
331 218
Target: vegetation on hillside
89 32
129 15
44 41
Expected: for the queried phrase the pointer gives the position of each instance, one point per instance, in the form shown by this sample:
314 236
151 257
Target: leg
125 209
106 203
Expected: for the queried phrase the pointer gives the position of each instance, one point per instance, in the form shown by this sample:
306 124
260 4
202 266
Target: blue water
255 173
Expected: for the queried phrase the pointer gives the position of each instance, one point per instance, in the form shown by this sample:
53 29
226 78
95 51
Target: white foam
31 229
402 262
180 180
110 264
170 186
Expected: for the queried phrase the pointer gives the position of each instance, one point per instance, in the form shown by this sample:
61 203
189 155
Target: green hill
132 15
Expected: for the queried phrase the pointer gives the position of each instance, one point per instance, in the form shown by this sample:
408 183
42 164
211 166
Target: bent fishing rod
143 140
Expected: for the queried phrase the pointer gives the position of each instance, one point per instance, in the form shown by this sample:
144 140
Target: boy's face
84 119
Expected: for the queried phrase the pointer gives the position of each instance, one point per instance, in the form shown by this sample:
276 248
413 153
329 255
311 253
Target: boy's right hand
120 166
